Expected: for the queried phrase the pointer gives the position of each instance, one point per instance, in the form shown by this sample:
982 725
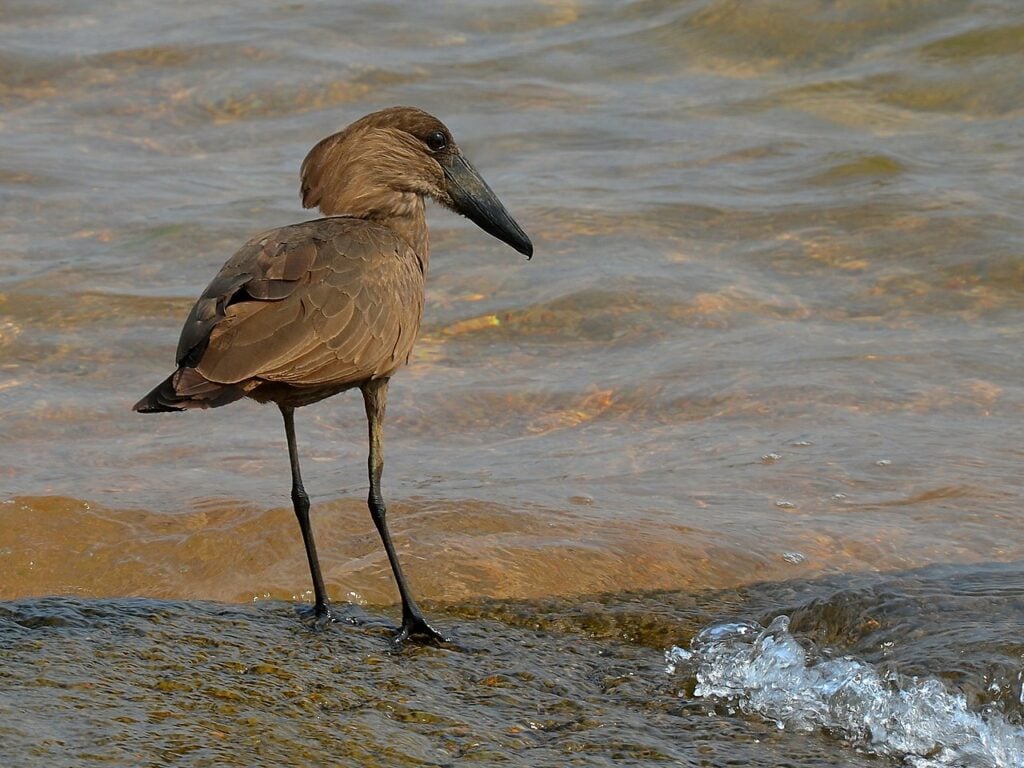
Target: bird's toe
416 628
318 619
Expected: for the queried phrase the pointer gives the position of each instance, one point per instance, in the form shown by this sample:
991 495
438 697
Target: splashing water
768 673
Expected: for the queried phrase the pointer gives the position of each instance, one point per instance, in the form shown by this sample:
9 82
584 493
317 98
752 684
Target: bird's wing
328 301
269 267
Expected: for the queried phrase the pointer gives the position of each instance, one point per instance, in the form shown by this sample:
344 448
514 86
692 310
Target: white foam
768 673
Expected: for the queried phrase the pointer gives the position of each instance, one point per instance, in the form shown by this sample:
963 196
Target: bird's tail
186 388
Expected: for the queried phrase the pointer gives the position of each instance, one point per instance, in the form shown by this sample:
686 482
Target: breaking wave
767 672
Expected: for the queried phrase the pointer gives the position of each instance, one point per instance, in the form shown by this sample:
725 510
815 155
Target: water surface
771 332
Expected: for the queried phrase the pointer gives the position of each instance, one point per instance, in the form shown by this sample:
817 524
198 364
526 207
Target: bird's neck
407 217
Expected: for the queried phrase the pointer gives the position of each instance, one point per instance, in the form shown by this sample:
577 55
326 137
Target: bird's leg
375 394
301 503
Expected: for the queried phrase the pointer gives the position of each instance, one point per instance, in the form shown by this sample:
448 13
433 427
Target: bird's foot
322 619
415 627
319 619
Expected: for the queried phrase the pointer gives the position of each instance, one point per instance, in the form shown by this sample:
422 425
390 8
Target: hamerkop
309 310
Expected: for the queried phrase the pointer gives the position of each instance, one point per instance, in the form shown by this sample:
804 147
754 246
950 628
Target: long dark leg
301 503
375 395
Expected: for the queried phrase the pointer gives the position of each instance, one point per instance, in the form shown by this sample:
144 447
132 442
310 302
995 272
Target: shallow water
558 682
771 332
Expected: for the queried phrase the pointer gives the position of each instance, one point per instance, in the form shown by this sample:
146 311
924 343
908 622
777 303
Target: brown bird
306 311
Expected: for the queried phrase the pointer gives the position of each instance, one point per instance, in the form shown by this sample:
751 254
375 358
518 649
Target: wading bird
309 310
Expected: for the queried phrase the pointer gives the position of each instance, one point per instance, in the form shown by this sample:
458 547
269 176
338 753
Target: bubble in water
767 672
673 656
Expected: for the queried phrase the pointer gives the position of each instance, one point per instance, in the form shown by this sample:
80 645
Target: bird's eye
437 141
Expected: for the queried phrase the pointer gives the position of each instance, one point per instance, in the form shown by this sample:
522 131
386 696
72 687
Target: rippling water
772 330
559 682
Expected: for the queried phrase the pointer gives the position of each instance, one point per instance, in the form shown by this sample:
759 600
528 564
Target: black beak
474 199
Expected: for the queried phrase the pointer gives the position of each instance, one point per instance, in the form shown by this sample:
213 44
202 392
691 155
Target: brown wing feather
329 301
267 267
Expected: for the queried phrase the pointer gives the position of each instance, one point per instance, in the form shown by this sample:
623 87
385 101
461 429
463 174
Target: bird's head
380 165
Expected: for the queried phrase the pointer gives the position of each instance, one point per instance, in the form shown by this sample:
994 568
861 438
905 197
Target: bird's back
302 312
